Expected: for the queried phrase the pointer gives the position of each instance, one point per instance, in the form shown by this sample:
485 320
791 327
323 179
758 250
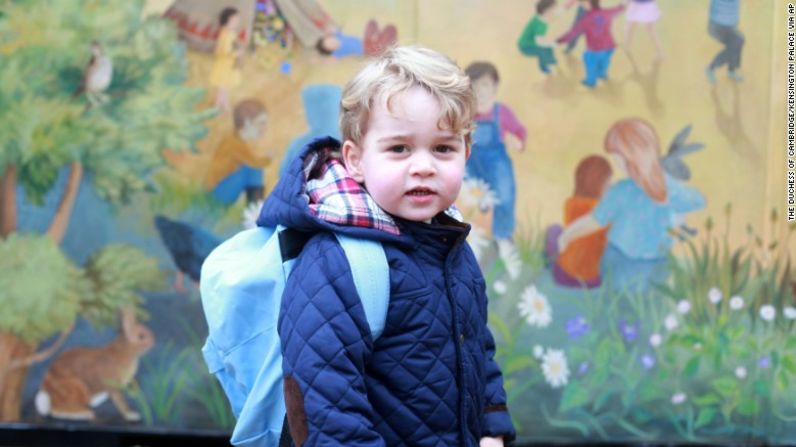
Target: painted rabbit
82 378
678 148
674 165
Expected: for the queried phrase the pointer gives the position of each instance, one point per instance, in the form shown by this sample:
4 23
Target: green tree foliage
44 47
117 273
35 308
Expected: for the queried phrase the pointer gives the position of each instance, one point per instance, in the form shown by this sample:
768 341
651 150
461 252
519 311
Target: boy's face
233 22
410 167
254 128
485 90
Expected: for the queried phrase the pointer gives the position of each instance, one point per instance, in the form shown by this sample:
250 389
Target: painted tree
36 307
45 128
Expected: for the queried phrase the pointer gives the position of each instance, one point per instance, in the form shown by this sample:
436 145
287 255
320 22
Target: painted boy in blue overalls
490 161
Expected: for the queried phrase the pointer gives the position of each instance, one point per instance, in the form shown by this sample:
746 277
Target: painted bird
674 166
96 76
188 245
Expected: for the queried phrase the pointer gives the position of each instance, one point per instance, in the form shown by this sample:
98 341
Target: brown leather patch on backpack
296 417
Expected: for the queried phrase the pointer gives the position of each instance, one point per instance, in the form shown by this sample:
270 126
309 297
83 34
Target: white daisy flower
476 192
500 287
740 372
554 367
670 322
478 241
488 200
789 312
678 398
250 215
768 312
535 308
714 295
538 351
471 190
683 307
656 340
736 303
510 256
697 346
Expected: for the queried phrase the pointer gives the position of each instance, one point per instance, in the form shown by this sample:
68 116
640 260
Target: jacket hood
289 203
316 194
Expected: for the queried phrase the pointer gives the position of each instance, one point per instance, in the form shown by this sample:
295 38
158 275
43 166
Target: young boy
496 128
532 41
430 379
235 166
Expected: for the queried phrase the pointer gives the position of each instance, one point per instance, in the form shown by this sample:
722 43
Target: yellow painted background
564 121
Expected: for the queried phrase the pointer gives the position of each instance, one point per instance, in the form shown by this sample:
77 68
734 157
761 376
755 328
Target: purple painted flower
647 361
583 368
577 327
629 331
764 362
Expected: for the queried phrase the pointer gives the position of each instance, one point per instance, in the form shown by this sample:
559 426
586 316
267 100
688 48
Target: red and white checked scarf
334 196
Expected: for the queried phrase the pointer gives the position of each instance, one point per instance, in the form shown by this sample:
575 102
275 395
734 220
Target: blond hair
398 69
636 142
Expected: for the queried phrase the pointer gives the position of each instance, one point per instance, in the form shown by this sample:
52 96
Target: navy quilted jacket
429 380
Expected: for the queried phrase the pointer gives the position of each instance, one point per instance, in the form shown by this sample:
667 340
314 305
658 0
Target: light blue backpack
241 287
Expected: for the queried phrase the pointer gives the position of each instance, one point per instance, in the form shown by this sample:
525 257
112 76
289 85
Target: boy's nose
423 165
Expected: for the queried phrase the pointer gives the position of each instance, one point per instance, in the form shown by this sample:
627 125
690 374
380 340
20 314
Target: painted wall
701 351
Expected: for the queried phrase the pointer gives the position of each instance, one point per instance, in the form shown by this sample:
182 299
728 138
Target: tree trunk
12 380
8 201
60 222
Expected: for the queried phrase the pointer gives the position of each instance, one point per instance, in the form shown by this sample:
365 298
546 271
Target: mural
624 194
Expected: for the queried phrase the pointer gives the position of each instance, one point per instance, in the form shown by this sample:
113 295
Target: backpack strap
371 278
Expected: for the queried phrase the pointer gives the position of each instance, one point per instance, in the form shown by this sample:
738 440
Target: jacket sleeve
496 420
325 343
574 32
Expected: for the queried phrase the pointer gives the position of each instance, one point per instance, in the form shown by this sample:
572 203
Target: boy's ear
352 157
468 150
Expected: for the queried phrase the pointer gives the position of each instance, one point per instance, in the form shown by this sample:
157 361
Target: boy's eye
398 148
444 148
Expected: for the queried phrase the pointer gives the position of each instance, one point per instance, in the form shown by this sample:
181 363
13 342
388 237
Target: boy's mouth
420 191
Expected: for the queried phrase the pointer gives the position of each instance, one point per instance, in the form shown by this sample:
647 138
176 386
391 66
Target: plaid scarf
337 198
334 196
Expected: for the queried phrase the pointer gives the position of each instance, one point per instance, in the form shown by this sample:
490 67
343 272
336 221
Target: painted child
533 42
600 44
579 13
579 264
225 74
235 166
643 13
723 26
431 377
322 111
496 125
639 209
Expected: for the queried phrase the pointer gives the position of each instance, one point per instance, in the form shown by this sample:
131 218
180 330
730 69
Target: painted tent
198 21
106 209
